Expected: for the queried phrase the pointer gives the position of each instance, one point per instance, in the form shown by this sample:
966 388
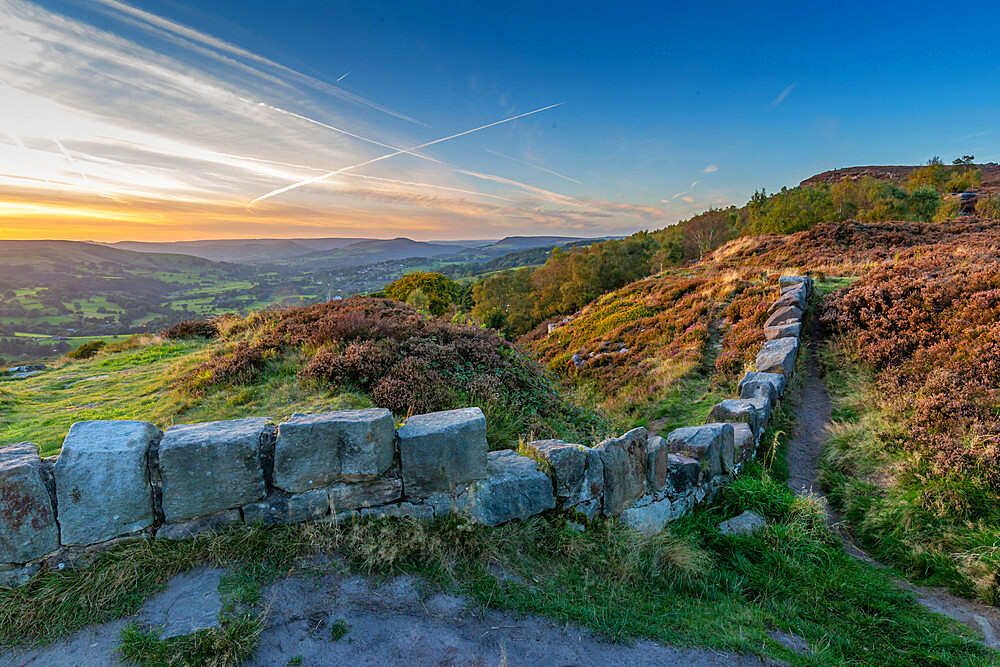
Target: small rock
787 330
182 530
745 523
17 576
577 471
778 356
786 315
190 603
709 444
514 489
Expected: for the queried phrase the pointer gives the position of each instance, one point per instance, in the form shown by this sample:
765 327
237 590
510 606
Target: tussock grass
228 645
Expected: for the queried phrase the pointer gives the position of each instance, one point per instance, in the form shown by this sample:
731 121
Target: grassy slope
143 383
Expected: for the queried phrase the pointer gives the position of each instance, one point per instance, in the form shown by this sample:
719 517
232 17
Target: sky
179 120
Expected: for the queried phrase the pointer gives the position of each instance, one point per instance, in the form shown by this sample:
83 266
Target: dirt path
804 450
394 623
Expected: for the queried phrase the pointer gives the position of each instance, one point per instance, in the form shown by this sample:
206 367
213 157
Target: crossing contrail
327 175
342 78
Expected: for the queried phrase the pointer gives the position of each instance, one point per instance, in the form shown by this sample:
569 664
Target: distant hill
338 252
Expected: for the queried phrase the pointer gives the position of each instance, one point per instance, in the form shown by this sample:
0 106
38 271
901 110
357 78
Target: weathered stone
577 471
318 450
683 472
743 442
738 410
787 330
277 510
793 297
743 524
650 518
707 444
753 381
778 356
190 603
514 489
625 463
793 281
786 315
182 530
416 511
657 463
17 576
343 497
27 521
102 481
209 467
442 450
79 557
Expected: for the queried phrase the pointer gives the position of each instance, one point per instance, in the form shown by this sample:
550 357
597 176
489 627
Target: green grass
230 644
145 383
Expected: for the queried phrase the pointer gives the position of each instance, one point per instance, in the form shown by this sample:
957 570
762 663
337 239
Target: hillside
899 174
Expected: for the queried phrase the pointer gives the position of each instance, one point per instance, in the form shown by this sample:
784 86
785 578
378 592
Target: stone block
416 511
738 410
707 444
795 281
778 356
206 468
683 473
15 576
787 330
745 523
657 463
317 450
786 315
753 381
792 297
650 518
442 451
625 464
343 497
102 481
281 509
28 527
182 530
514 489
577 472
743 442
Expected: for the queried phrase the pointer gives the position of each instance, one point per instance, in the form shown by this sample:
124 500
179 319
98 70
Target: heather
913 361
403 359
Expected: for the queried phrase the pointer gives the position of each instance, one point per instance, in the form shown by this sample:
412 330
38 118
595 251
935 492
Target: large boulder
209 467
442 451
102 481
709 444
785 315
754 382
27 521
778 356
625 464
787 330
316 450
577 473
738 410
514 489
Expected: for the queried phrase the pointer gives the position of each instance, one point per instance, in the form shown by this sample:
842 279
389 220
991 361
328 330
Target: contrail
323 177
184 32
474 174
535 166
77 167
342 78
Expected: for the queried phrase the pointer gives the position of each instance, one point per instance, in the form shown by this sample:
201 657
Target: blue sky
172 116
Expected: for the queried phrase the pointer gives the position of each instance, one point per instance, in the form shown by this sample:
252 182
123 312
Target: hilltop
899 174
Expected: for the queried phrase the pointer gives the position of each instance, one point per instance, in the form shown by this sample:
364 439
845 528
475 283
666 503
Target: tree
706 231
924 203
439 290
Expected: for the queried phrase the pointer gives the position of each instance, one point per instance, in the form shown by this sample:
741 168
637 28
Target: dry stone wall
126 480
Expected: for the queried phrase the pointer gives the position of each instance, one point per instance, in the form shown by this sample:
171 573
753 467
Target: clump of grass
230 644
339 630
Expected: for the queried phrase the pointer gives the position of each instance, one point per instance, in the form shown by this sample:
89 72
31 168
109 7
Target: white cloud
710 169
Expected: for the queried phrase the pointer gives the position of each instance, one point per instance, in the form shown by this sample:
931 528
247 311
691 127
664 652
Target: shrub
432 292
87 350
989 207
191 329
